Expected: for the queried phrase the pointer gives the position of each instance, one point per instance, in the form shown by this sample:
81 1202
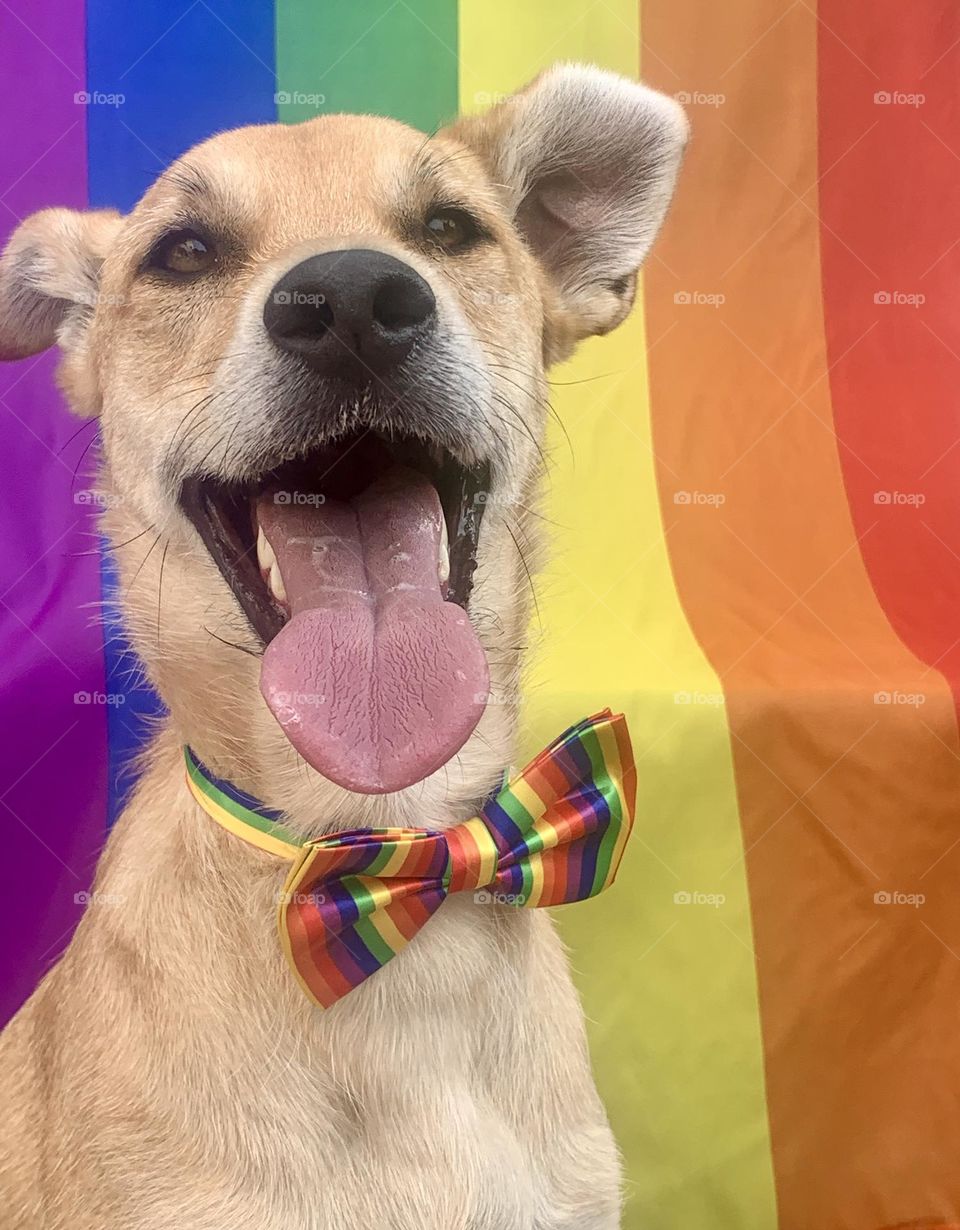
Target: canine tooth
276 584
265 555
443 563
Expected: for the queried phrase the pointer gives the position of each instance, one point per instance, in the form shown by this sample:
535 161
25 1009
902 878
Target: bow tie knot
352 901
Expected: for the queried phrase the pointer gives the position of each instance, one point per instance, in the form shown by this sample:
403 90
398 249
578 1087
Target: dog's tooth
277 587
265 555
443 562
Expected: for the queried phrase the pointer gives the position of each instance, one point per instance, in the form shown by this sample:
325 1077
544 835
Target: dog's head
317 353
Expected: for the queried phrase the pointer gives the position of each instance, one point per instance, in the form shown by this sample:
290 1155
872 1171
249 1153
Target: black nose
353 313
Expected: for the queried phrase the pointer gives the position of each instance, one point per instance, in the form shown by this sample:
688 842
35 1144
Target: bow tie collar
552 835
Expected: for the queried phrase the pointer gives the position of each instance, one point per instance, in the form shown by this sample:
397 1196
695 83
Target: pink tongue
375 680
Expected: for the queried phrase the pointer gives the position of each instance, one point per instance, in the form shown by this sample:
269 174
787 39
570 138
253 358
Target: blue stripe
161 77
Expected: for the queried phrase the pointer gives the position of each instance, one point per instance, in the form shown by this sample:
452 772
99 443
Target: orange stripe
839 796
628 772
465 856
552 891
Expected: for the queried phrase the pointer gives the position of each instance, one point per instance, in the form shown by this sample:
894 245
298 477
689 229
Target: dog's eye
452 229
182 252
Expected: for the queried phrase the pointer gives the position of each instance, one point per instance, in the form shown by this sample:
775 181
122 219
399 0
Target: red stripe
464 857
890 205
893 197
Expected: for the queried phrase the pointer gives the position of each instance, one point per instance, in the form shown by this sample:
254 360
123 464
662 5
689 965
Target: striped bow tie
553 834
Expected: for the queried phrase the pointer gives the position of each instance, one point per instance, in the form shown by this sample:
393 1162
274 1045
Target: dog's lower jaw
452 1089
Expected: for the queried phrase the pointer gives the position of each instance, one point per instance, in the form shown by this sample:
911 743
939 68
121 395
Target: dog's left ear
588 160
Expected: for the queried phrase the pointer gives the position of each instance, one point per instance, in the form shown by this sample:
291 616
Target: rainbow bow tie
553 834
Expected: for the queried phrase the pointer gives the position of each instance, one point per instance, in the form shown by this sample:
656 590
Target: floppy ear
49 277
588 161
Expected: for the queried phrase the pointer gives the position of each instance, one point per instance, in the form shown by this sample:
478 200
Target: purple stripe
52 773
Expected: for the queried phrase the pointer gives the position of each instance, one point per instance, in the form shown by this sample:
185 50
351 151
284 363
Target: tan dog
341 310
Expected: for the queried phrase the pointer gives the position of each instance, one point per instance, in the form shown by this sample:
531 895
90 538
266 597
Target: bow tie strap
553 834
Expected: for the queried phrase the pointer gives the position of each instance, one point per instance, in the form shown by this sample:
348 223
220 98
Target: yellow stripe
387 930
526 796
614 634
486 848
396 860
263 841
536 890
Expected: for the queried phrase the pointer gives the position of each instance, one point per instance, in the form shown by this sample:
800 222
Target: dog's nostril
312 320
402 303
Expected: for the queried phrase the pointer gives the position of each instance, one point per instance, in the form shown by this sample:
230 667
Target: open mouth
354 565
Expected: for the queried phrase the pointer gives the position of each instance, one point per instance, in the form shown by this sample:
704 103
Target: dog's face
317 353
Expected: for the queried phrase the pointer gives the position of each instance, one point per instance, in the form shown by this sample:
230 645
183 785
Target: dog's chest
424 1101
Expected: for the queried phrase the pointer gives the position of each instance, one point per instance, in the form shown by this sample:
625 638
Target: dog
347 316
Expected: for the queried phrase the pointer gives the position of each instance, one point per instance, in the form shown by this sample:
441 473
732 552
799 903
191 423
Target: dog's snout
350 313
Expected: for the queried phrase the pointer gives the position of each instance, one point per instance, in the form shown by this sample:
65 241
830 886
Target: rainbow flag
757 555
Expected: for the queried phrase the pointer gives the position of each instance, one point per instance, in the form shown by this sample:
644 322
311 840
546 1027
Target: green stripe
252 818
365 930
526 888
516 811
377 56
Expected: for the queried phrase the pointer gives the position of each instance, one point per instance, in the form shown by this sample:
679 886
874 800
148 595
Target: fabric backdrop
757 554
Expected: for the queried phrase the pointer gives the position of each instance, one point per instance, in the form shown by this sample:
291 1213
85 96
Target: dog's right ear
49 278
